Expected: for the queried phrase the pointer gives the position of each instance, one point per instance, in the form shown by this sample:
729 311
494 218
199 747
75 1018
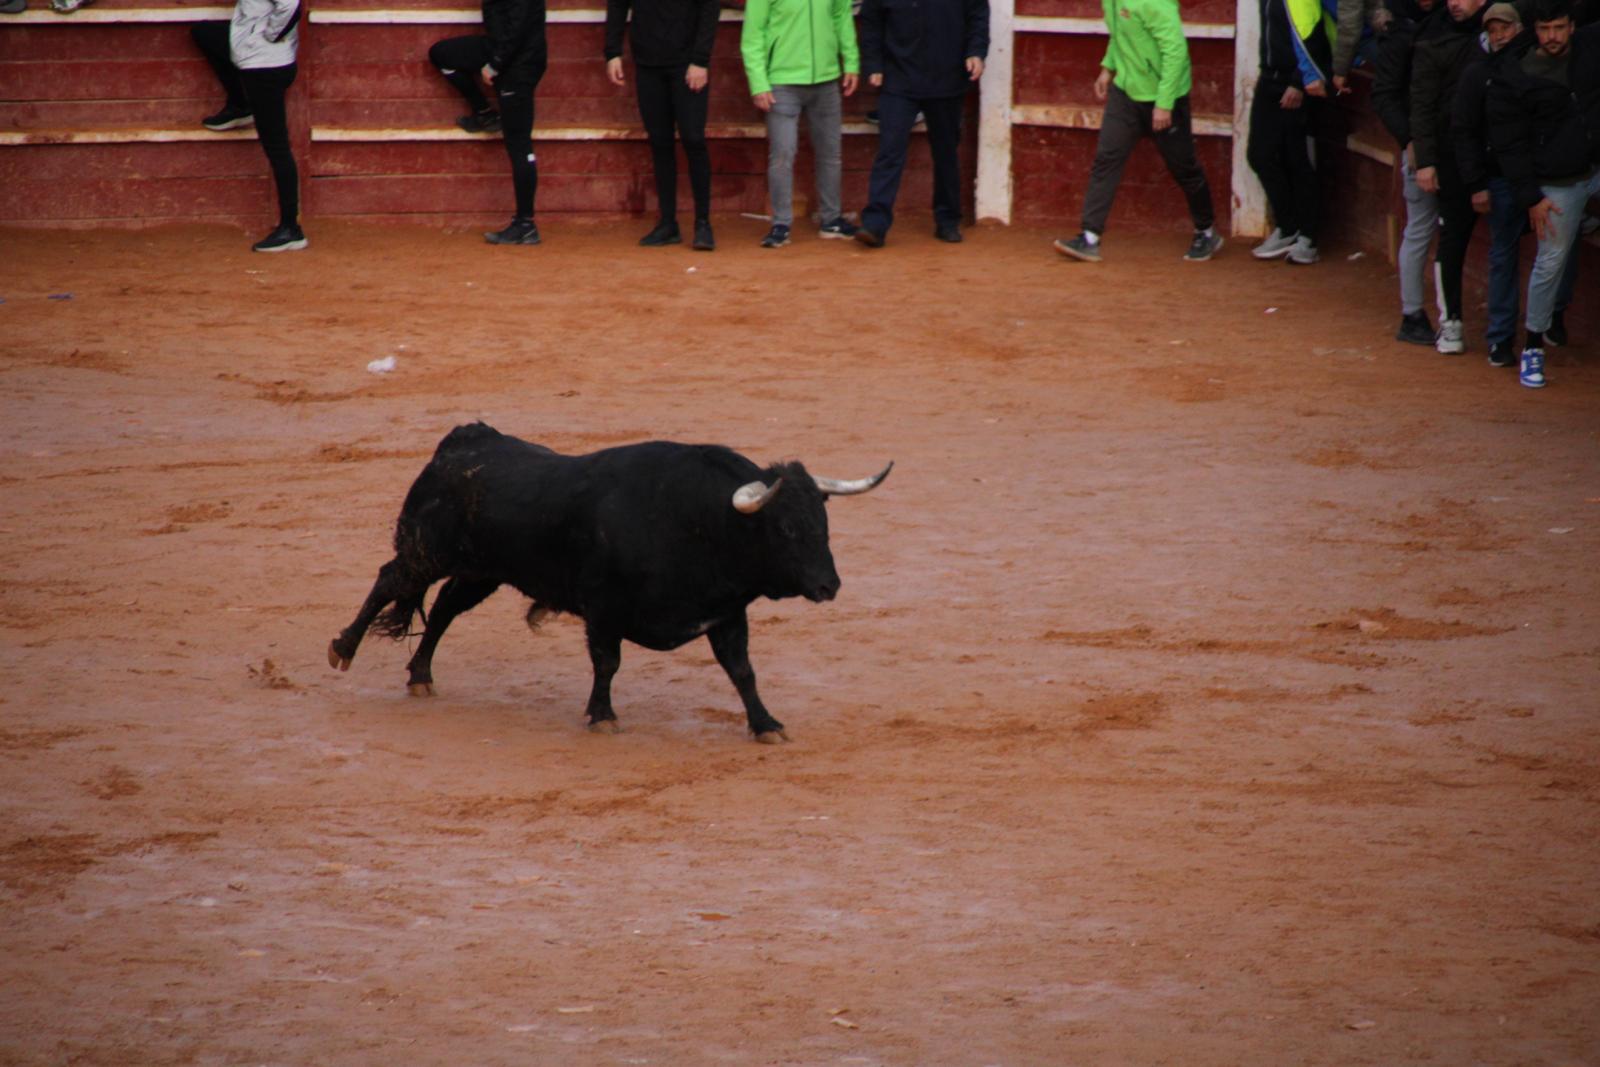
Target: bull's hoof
772 737
605 726
420 689
336 661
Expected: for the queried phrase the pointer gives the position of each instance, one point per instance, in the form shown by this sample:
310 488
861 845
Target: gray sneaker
1204 246
1277 244
1303 253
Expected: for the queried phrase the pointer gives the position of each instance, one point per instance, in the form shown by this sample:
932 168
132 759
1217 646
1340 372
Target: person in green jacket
1144 81
799 55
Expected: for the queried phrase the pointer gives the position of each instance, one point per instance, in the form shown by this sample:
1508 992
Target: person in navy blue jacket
923 55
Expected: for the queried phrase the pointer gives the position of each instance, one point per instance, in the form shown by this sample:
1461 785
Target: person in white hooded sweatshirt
254 59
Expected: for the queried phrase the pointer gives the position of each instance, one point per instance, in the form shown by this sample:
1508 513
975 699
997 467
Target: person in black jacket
672 42
1391 99
1543 116
1491 194
924 55
458 60
517 58
1294 61
1437 64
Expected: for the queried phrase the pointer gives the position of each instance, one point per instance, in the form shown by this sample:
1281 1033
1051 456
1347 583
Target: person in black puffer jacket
1542 112
1436 66
1391 99
672 42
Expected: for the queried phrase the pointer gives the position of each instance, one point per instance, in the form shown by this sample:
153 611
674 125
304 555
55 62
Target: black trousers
896 115
515 86
263 92
1278 154
1124 121
665 102
1456 223
460 59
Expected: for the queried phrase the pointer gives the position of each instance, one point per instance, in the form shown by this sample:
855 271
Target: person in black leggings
459 60
672 42
518 55
254 58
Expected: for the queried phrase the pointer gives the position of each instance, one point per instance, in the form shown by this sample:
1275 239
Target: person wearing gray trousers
824 117
1416 241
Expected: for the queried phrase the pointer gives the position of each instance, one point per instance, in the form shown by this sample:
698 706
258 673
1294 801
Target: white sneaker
1277 244
1449 341
1303 252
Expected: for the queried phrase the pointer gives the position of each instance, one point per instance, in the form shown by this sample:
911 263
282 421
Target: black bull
655 543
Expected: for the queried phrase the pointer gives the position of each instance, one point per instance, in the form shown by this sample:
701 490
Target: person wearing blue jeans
924 57
1507 224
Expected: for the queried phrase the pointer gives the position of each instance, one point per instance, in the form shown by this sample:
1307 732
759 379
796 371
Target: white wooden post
1249 199
994 116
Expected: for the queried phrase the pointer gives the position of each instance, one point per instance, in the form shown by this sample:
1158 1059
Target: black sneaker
1556 335
480 122
1078 248
229 118
283 239
1502 354
776 237
839 229
1415 330
869 237
665 233
1204 246
950 232
703 241
520 232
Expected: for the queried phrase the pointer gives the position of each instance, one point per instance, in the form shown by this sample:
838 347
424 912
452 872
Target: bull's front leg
605 653
730 640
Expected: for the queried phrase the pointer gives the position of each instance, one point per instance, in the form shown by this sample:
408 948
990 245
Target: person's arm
977 38
870 41
844 24
283 17
707 12
1305 21
1352 18
505 22
1424 109
1391 73
1511 139
616 23
753 50
1165 27
1467 130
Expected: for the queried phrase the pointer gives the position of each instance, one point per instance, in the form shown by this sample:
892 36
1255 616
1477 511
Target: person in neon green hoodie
1144 82
800 57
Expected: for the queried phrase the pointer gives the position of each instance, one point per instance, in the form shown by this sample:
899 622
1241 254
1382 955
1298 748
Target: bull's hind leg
456 596
605 653
731 642
390 586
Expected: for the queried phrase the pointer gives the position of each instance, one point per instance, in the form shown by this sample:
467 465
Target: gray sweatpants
821 104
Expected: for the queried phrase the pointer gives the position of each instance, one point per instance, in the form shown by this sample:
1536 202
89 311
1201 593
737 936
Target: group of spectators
1495 111
801 57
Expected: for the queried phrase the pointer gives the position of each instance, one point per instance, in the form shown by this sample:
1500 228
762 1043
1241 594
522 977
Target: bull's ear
834 487
752 497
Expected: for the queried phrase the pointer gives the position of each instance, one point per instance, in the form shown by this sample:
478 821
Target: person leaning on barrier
459 61
1542 110
254 58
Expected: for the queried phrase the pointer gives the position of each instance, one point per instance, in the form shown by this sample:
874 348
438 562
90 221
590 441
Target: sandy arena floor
1215 680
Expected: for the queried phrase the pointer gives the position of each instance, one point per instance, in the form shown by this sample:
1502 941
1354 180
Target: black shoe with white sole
283 239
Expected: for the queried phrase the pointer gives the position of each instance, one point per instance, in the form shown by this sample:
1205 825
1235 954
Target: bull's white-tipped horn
752 497
834 487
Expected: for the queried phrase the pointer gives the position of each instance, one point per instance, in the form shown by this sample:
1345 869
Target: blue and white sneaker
840 228
1531 373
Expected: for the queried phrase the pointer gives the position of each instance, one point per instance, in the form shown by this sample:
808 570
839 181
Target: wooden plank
68 163
1061 69
1039 24
1087 117
1194 11
124 198
99 79
26 46
111 14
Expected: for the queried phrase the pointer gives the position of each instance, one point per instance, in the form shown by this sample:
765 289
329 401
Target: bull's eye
786 528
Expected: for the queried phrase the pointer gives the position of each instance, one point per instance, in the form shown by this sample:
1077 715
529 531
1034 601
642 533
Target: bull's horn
751 498
834 487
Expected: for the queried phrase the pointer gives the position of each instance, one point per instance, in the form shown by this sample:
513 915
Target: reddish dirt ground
1213 682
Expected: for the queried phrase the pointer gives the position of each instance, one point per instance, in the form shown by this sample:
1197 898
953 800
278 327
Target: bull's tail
395 620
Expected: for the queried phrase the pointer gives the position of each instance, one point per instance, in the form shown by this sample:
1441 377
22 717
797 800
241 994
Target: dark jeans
1278 154
896 115
665 101
262 91
460 59
515 87
1124 121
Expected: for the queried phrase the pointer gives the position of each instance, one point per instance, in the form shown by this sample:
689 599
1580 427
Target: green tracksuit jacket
1147 50
797 42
